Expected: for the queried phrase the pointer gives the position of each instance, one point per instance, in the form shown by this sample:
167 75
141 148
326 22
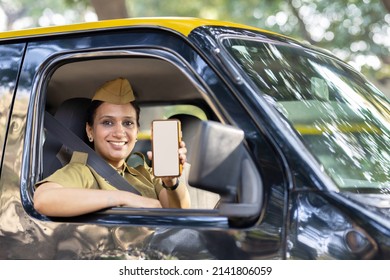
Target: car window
11 57
160 98
342 119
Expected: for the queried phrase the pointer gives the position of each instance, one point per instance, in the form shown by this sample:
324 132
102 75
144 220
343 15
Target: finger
182 159
149 154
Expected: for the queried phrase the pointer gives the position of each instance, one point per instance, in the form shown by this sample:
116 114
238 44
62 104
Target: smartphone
166 137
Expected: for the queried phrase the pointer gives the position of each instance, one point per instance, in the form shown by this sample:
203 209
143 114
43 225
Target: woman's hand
182 153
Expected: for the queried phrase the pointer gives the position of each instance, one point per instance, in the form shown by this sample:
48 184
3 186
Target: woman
112 127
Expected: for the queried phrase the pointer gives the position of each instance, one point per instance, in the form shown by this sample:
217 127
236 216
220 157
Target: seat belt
69 139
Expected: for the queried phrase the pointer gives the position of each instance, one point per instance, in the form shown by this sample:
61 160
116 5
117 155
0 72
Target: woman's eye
107 123
128 123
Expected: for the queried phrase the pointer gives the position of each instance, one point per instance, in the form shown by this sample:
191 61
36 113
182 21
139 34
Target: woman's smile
118 145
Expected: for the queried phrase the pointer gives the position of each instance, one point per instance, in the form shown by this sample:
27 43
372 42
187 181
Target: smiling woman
112 127
113 121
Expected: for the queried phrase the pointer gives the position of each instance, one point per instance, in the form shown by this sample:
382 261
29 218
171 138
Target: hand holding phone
166 138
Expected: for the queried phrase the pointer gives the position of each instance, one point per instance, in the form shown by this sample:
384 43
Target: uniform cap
117 91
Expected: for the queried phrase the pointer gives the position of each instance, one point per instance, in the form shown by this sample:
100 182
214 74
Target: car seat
72 113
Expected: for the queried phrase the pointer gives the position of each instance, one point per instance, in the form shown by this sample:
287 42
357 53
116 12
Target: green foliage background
357 31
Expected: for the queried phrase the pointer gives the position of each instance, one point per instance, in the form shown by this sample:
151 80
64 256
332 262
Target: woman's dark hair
91 111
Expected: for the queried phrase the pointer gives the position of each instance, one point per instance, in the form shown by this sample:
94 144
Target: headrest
189 124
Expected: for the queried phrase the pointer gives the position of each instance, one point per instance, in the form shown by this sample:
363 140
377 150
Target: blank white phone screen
165 148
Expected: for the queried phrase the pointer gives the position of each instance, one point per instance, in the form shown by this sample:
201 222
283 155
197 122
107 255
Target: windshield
342 119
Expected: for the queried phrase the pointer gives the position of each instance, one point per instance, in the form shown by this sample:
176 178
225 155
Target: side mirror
221 164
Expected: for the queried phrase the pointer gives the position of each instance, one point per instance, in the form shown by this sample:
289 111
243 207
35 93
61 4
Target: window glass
11 56
342 118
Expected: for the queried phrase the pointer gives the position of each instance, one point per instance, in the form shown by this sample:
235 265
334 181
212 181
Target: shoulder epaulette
79 157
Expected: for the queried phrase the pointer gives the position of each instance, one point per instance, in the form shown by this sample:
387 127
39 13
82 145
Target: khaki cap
117 91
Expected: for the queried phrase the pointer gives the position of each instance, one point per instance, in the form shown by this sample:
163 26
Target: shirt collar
125 168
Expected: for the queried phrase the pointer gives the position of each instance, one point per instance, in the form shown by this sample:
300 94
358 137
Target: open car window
161 89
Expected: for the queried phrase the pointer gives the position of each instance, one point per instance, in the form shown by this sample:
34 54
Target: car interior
162 90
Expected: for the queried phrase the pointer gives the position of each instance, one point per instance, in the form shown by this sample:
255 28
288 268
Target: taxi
288 146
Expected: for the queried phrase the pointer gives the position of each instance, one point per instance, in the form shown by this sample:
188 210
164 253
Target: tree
104 9
110 9
386 4
354 30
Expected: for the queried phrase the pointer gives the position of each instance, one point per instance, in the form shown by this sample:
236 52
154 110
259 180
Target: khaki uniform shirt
77 174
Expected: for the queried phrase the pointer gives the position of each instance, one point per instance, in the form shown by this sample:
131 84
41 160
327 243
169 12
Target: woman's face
114 132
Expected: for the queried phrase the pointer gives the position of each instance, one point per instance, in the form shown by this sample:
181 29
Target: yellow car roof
178 24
